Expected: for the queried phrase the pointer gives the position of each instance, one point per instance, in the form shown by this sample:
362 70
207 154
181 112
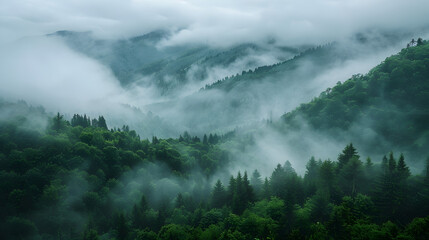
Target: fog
214 22
48 71
252 98
45 71
204 67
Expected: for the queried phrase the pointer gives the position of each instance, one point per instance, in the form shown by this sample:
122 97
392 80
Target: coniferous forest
204 120
80 180
77 179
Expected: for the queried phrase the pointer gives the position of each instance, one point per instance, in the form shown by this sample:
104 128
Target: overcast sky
39 70
217 22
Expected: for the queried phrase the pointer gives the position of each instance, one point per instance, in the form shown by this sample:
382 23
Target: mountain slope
169 68
391 101
268 90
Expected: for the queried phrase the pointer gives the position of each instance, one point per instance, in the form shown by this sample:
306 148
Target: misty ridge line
128 99
190 119
261 69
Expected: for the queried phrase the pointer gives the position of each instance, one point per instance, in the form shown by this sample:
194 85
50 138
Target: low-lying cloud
219 23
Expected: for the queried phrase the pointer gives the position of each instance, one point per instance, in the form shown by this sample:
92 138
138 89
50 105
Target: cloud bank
214 22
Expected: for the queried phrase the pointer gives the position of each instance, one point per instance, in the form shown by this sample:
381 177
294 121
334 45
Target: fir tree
219 195
348 152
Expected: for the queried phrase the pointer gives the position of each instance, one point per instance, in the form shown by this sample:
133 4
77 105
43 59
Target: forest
80 180
72 177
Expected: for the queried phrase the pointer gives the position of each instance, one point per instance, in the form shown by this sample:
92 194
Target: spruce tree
219 195
102 122
348 152
256 183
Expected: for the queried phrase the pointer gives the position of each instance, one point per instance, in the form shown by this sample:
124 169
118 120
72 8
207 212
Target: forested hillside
80 180
391 100
214 120
77 178
256 93
169 68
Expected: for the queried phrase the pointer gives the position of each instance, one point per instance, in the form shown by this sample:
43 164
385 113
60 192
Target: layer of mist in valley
194 93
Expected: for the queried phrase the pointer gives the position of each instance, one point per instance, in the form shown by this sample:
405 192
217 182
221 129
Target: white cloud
44 71
213 22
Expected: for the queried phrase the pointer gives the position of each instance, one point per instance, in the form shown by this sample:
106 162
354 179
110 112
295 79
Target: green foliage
394 94
53 181
83 171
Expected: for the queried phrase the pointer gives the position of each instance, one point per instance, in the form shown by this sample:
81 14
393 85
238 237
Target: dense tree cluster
53 180
71 182
78 179
322 55
394 94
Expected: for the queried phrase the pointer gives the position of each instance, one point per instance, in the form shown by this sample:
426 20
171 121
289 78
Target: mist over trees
214 120
94 183
389 100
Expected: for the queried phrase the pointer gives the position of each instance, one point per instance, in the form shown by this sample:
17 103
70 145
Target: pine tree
102 122
249 195
327 177
311 176
219 195
402 168
94 123
351 176
205 141
238 206
402 174
256 183
386 193
266 189
231 190
58 123
186 136
348 152
278 181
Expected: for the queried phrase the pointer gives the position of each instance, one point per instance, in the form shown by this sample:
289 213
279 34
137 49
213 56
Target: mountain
78 179
169 68
383 110
266 91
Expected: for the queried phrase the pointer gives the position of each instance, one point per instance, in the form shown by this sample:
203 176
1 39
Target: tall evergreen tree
347 154
238 204
266 189
401 176
205 140
219 195
311 176
249 195
351 177
256 183
231 189
402 168
278 181
102 122
386 194
58 123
